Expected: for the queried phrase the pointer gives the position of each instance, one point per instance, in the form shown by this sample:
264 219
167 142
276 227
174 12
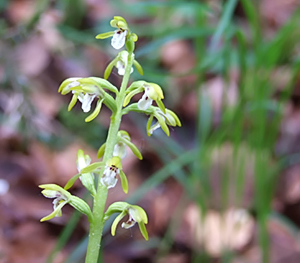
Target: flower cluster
136 215
114 150
61 198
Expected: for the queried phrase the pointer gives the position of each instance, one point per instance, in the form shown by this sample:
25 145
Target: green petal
57 188
105 35
149 124
116 221
71 182
116 207
105 84
95 112
109 68
133 148
134 38
136 85
65 83
73 101
138 67
56 212
130 95
161 106
163 124
124 181
143 230
101 150
142 213
157 89
175 117
92 167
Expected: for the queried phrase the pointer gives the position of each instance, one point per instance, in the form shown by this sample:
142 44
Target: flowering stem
96 226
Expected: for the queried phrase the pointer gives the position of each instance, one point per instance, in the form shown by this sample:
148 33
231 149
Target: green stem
96 227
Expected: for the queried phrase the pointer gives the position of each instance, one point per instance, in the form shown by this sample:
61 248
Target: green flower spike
152 92
120 63
113 167
61 198
163 119
120 36
136 215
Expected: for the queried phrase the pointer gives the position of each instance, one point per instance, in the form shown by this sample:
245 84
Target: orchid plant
109 169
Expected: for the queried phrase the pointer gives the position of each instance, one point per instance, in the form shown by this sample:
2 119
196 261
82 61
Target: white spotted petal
118 40
86 100
145 102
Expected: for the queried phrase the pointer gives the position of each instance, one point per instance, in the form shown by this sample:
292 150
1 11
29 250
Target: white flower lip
118 40
121 68
109 179
145 102
86 100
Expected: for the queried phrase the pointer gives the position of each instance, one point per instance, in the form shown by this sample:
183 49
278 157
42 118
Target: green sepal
132 147
163 124
136 85
119 24
110 67
116 207
81 206
124 181
55 187
149 122
92 167
71 182
105 84
161 106
141 212
134 107
73 101
130 95
116 221
101 150
88 182
143 230
138 67
134 37
64 84
105 35
56 212
175 117
95 112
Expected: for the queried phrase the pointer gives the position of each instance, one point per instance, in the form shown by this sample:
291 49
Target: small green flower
163 119
121 35
120 62
136 215
61 198
152 92
113 167
87 179
86 90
